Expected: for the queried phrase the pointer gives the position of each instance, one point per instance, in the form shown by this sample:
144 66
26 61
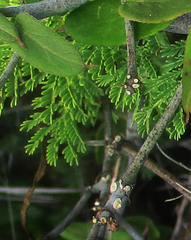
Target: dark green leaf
45 49
186 78
97 23
154 11
143 30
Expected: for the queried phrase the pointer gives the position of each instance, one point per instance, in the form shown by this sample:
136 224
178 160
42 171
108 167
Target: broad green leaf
143 30
45 49
154 11
97 23
186 78
4 3
8 31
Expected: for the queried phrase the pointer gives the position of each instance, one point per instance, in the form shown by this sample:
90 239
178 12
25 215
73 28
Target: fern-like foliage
161 67
65 104
61 106
5 54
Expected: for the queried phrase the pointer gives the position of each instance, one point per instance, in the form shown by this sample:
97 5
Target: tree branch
130 176
124 224
9 69
131 49
43 9
181 25
158 170
76 210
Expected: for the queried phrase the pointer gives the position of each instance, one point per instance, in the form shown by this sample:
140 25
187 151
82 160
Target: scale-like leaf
154 11
8 31
45 49
186 78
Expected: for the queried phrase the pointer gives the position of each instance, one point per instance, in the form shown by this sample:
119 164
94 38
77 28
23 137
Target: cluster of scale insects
131 84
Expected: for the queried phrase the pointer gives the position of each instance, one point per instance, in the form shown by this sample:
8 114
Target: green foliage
44 48
103 19
107 24
161 70
3 3
66 104
152 11
62 107
186 83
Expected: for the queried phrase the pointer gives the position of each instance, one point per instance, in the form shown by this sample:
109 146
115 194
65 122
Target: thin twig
124 224
10 209
24 190
161 172
68 220
107 168
9 69
95 143
180 214
172 160
93 232
96 188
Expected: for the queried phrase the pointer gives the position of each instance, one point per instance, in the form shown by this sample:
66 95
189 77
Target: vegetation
81 86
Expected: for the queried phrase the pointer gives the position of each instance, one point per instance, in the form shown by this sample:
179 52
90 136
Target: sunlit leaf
186 78
154 11
3 3
45 49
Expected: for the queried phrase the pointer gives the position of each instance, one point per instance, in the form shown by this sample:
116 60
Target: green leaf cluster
160 66
65 104
58 111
